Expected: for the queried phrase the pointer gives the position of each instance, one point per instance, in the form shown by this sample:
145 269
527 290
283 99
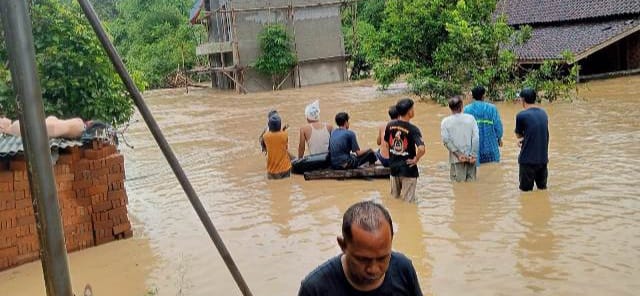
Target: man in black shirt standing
367 266
532 130
406 147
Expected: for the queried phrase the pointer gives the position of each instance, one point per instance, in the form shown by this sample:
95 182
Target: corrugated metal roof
551 11
11 145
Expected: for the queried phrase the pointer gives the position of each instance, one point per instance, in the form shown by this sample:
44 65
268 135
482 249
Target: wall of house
92 199
606 60
633 51
620 56
317 33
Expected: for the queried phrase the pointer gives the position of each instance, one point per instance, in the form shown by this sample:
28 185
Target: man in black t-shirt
406 147
532 130
367 266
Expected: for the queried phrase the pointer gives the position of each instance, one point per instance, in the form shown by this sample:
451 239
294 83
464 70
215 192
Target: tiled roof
550 41
547 11
10 145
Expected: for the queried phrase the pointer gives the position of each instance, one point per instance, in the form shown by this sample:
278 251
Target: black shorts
530 173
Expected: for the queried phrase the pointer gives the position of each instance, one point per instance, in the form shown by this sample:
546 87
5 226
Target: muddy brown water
582 236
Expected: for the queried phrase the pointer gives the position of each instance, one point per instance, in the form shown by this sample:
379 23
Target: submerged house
602 35
232 42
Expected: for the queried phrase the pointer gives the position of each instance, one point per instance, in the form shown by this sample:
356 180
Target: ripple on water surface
485 237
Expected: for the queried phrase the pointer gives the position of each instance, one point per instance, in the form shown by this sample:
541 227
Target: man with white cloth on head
315 134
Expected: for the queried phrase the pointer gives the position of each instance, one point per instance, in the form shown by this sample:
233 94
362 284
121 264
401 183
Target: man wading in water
489 125
404 142
367 266
460 136
532 130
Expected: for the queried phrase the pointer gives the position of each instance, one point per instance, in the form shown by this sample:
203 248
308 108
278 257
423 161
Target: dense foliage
445 46
105 9
360 21
155 38
277 57
75 74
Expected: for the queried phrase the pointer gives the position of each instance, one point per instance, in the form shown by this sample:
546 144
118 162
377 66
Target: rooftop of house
520 12
578 26
581 39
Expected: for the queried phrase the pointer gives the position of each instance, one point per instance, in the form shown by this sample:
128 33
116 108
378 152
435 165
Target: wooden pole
292 15
87 8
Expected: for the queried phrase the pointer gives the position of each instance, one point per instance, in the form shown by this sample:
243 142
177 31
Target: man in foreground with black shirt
404 142
367 266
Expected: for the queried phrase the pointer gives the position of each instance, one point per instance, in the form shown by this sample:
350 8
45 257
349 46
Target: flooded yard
582 236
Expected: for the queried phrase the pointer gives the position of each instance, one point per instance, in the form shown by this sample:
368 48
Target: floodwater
582 236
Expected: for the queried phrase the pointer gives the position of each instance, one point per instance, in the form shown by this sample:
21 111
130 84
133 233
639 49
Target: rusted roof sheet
520 12
10 145
549 42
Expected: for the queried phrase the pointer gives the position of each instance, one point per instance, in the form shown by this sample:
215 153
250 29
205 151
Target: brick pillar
92 198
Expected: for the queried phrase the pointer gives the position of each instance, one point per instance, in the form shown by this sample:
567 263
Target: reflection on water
536 252
579 237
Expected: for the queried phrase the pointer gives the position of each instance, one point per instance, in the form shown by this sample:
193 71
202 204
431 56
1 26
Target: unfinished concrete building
233 45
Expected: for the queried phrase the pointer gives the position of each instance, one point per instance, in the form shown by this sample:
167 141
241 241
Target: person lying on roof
72 128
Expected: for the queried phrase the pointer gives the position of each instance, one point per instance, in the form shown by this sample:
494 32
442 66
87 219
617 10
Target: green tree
277 57
155 38
445 46
106 9
360 26
75 74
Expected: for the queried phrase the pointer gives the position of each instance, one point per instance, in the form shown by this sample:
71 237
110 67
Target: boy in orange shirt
277 144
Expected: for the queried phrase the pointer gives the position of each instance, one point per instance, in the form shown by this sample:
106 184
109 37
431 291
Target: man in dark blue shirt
343 143
532 130
367 266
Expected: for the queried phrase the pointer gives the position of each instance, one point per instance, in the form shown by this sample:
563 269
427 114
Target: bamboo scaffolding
334 3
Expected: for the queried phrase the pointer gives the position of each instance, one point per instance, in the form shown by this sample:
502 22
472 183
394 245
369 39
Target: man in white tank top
315 134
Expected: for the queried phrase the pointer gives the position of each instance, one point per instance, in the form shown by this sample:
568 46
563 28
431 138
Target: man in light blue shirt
461 137
489 124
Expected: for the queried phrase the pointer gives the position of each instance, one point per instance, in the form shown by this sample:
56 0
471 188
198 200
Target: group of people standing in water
472 134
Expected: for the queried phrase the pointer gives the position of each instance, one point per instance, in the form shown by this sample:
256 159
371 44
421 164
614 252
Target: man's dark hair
403 106
529 95
367 215
275 123
455 103
342 118
393 112
478 92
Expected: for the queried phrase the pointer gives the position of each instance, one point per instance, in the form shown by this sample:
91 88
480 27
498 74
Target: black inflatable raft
310 163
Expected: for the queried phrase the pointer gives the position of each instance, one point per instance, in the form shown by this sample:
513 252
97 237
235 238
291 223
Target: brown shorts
404 188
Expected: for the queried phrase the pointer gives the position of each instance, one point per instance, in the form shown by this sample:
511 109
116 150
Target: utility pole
113 55
22 62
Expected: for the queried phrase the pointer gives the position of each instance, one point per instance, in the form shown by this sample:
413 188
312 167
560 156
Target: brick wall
92 199
633 51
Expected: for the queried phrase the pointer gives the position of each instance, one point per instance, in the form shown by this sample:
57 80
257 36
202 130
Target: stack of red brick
92 199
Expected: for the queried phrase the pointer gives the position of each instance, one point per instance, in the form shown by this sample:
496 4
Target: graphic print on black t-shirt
402 137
